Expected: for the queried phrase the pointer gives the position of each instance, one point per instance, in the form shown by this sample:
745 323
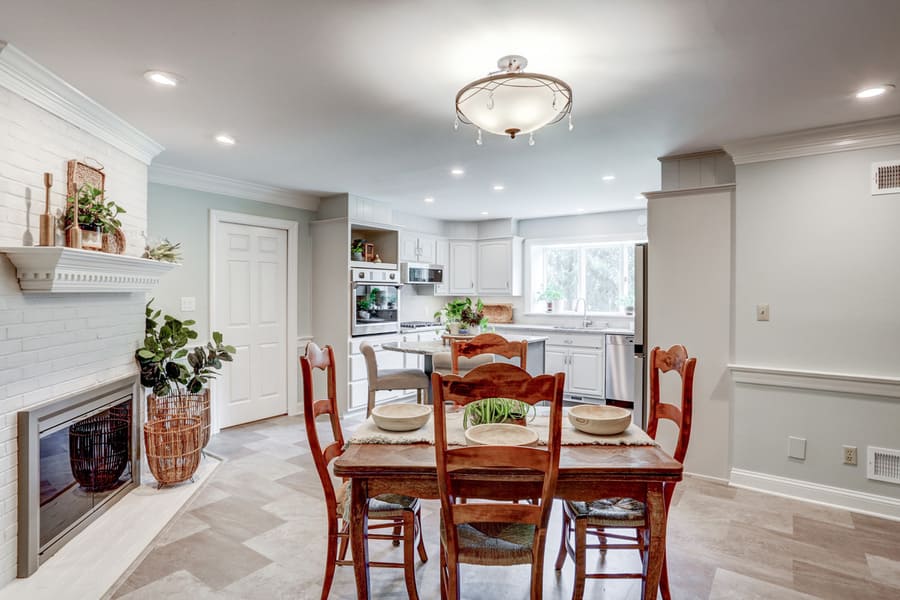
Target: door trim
217 217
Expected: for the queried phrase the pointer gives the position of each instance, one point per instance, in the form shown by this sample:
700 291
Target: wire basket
187 405
173 448
99 450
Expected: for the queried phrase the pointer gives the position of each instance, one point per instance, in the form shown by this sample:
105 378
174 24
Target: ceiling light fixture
609 178
457 171
225 139
875 91
512 102
162 78
484 213
580 210
499 188
429 199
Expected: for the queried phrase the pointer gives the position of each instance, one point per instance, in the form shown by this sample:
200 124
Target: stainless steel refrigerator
640 334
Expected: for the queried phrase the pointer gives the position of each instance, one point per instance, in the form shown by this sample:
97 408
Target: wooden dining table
586 472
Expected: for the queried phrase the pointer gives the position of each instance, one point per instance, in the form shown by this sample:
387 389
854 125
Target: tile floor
257 531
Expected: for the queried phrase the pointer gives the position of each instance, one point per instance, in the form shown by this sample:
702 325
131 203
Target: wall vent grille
884 464
886 177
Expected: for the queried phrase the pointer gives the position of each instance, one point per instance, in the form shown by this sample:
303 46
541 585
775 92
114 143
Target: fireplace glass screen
82 463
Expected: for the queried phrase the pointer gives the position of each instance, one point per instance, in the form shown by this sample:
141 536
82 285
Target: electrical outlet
850 455
762 312
188 304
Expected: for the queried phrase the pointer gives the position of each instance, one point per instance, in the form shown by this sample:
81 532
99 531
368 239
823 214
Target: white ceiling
357 96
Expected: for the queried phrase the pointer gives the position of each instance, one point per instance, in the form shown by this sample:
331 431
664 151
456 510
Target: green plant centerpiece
96 216
497 410
177 375
463 314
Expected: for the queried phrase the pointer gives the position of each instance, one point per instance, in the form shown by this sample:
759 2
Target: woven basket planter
183 405
173 448
98 450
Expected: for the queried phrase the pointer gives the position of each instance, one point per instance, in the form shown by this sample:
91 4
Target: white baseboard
861 502
709 478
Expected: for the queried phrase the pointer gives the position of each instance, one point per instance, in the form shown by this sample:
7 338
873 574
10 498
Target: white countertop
562 329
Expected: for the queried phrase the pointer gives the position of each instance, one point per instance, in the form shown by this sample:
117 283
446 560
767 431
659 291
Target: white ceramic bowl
501 434
600 419
401 417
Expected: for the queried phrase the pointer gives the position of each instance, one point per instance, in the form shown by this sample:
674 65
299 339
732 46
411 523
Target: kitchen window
602 273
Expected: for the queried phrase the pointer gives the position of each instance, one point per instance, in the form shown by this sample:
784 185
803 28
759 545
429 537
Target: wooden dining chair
490 529
600 516
402 514
488 343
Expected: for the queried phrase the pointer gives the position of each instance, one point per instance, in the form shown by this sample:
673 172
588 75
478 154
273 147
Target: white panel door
251 299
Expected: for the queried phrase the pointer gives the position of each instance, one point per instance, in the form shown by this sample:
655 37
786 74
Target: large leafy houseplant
168 366
463 311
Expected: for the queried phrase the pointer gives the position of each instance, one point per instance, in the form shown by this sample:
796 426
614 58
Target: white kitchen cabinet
557 361
442 257
417 247
586 372
578 355
463 267
369 211
500 267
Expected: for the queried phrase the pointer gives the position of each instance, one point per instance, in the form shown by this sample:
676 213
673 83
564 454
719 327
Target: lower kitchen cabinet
583 368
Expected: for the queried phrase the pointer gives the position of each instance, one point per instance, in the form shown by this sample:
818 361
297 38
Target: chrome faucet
585 322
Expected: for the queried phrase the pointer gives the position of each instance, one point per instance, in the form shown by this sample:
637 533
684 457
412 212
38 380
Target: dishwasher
620 383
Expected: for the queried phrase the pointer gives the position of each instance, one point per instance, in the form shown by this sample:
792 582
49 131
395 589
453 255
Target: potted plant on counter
549 295
177 427
461 315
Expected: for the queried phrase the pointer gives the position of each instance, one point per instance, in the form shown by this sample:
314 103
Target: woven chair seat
611 512
383 506
494 544
401 379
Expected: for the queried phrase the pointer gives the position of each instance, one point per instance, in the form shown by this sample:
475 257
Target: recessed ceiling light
457 171
162 78
580 210
639 197
499 188
225 139
609 177
484 213
429 199
874 91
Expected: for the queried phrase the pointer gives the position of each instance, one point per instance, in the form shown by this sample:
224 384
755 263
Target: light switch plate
762 312
188 304
797 448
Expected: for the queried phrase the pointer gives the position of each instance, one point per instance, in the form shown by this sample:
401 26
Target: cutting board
498 313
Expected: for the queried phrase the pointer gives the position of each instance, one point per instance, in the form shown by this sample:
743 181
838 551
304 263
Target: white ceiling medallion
512 102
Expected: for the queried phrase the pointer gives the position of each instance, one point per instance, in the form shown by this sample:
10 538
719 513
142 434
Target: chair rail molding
236 188
821 140
817 493
23 76
847 383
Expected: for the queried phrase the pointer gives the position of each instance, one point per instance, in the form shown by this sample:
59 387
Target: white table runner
369 433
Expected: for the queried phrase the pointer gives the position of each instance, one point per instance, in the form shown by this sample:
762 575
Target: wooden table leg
429 369
656 523
359 526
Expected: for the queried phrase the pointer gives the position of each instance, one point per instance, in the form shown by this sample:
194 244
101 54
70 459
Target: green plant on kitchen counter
497 410
463 311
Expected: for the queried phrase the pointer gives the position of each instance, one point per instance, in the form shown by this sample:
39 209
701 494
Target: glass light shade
514 103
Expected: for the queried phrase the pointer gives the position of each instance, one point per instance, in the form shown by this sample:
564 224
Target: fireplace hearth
77 456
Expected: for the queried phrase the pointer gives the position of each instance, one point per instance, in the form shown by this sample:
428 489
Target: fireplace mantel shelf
55 269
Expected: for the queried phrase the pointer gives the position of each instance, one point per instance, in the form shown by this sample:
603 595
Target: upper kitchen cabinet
442 257
500 267
356 208
463 266
416 247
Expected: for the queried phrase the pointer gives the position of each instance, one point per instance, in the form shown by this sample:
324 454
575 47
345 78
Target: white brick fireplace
52 345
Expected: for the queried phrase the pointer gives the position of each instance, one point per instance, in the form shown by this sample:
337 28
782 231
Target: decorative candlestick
73 232
48 221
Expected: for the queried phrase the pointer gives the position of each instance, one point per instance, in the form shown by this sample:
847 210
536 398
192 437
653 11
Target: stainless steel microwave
421 273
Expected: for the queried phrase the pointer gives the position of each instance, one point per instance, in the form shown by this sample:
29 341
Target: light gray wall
814 244
182 215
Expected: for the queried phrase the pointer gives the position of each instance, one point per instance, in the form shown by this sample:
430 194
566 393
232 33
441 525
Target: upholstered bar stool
391 379
443 363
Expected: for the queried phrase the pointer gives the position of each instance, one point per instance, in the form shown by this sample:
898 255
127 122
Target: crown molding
821 140
28 79
215 184
706 189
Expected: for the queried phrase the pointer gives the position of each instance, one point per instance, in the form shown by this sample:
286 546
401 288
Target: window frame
529 290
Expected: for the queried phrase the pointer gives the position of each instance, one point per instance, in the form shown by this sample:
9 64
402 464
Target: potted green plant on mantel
96 217
462 316
549 295
177 378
